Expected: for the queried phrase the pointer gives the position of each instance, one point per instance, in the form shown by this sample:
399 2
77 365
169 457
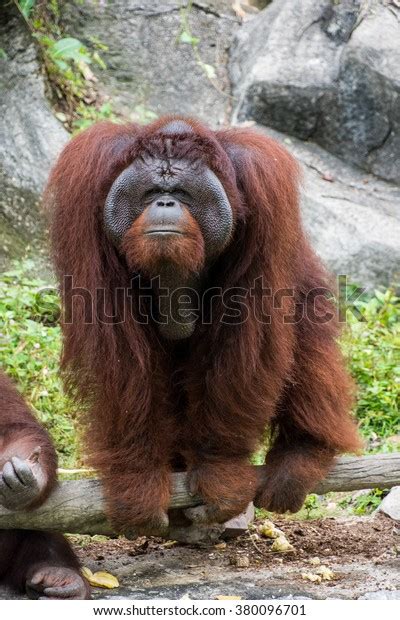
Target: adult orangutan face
168 210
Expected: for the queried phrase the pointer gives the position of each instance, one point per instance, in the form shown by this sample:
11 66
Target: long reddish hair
120 369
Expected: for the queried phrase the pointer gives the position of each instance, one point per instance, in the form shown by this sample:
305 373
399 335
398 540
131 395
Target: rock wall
30 139
147 66
351 217
326 71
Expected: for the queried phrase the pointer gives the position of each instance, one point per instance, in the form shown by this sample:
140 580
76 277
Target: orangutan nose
166 202
165 214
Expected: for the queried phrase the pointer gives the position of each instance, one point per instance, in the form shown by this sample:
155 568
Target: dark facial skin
170 197
162 189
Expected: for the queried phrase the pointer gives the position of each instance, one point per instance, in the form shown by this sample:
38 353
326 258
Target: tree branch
77 506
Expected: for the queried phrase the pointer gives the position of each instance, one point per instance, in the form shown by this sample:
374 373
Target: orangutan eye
151 194
182 195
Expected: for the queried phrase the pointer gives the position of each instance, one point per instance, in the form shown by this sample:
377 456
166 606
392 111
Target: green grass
29 353
30 348
363 503
372 348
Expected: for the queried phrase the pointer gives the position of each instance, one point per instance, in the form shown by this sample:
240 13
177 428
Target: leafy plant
29 353
26 7
66 49
372 348
87 115
311 505
186 37
366 503
66 59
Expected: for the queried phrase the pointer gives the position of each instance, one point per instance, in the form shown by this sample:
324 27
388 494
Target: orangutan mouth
164 231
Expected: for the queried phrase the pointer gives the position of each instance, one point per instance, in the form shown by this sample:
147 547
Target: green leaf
26 7
3 54
380 296
69 48
61 64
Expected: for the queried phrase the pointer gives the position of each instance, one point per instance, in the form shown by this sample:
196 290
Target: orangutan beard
151 255
174 262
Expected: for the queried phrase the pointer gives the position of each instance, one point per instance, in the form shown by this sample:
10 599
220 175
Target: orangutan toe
57 582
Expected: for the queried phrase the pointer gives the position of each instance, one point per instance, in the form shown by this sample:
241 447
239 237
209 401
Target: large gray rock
324 70
146 64
30 138
390 504
352 218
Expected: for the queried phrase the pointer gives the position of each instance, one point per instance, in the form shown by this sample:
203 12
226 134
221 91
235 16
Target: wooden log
77 506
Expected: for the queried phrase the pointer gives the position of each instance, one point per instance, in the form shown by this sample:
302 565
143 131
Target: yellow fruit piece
312 577
281 545
86 572
101 579
268 529
170 543
326 573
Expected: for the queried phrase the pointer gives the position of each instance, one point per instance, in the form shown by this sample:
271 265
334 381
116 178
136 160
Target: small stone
314 561
241 561
240 524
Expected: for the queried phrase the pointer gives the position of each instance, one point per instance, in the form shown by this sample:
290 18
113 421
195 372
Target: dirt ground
362 552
